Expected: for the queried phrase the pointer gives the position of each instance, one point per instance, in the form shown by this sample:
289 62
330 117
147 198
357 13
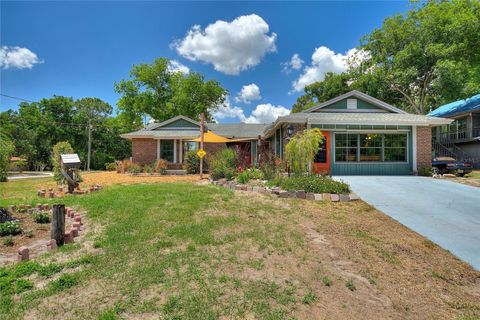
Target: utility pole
89 143
202 129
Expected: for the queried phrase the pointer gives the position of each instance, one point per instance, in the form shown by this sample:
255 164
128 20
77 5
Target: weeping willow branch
301 148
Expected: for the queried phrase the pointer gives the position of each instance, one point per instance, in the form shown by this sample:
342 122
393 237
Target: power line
17 98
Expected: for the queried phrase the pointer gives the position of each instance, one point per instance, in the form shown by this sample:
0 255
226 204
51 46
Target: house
461 138
363 136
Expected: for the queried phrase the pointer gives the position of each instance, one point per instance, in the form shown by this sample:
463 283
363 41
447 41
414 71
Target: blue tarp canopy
457 107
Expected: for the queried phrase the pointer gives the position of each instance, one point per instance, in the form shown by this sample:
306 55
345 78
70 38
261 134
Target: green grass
170 236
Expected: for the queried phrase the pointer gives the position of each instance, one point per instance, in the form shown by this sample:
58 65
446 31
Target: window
166 150
395 147
346 147
321 155
189 146
371 147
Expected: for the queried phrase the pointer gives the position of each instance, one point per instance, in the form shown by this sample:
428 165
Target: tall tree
422 59
154 90
430 55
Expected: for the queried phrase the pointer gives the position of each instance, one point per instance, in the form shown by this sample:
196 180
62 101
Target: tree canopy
157 91
423 59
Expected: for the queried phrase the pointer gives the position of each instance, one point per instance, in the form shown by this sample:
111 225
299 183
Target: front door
321 162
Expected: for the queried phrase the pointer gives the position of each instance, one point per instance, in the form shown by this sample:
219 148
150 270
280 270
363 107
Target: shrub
327 281
41 217
10 228
243 177
426 171
6 150
111 166
249 174
161 166
22 285
8 241
300 150
149 168
223 164
311 183
350 285
134 168
192 163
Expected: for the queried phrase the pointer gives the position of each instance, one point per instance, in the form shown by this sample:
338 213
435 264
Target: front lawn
188 251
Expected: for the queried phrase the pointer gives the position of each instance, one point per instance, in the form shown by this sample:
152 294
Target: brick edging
276 191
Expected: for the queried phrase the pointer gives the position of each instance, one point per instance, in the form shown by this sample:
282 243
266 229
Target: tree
430 55
300 150
332 86
156 91
6 150
93 110
424 58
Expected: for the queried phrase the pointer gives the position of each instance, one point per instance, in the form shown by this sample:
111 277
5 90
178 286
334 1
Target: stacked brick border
299 194
23 252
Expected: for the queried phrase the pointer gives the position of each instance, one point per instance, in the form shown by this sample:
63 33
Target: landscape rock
326 196
334 197
317 197
344 198
283 194
301 194
23 254
353 196
51 244
310 196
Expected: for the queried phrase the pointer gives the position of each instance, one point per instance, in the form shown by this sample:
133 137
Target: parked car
442 165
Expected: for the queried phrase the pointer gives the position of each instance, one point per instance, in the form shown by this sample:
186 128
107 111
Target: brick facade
144 151
424 148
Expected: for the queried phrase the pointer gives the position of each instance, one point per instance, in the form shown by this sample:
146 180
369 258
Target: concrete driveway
446 212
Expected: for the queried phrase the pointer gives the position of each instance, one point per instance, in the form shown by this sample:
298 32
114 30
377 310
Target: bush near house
311 183
161 166
222 164
192 163
249 174
134 168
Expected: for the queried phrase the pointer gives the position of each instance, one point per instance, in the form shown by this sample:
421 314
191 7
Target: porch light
290 130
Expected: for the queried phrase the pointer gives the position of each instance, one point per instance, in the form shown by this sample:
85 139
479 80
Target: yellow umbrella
211 137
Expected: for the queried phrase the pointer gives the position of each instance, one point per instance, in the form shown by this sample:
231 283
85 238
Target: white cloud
295 63
248 93
175 66
325 60
267 113
263 113
230 46
17 57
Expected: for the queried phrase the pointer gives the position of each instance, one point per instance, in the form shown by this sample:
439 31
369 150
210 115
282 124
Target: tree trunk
58 224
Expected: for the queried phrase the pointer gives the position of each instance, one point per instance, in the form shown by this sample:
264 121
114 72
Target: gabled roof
359 95
237 130
457 107
154 126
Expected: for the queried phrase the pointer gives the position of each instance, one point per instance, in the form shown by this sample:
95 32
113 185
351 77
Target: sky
263 53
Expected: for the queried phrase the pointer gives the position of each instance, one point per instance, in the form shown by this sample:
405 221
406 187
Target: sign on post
201 153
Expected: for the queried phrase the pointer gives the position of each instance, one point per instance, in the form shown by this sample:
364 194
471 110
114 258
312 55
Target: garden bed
34 233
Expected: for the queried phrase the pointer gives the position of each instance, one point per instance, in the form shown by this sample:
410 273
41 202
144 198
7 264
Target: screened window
371 147
395 147
189 146
346 147
166 150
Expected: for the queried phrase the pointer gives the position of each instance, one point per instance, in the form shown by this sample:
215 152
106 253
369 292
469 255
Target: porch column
175 151
181 151
414 148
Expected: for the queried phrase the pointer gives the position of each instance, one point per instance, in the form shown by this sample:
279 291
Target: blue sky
80 49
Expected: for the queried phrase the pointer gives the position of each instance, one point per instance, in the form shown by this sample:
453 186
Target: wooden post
202 130
58 224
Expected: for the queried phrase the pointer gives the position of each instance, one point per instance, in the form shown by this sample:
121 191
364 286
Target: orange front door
321 162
